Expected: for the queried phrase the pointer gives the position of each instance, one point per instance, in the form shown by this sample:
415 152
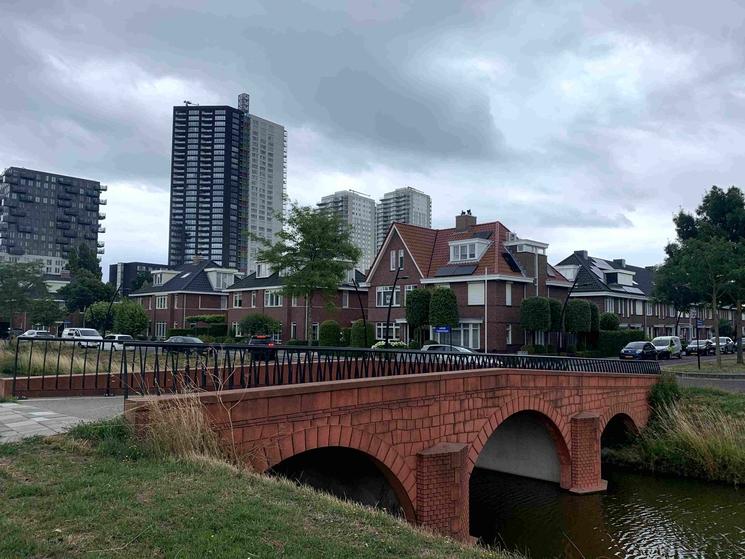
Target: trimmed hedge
357 336
535 314
611 342
609 321
329 334
555 306
214 330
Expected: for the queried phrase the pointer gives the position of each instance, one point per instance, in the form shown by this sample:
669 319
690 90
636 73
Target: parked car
262 347
185 345
38 334
446 348
704 347
726 345
84 337
638 350
115 342
668 347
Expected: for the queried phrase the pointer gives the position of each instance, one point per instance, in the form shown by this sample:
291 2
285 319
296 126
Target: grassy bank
701 435
729 365
98 493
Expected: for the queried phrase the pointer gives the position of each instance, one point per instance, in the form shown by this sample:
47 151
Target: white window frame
272 298
400 259
508 332
393 260
476 293
293 330
253 299
237 329
237 300
394 331
161 302
160 329
508 294
382 296
314 331
345 299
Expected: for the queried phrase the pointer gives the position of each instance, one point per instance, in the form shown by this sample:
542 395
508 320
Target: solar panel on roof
455 270
482 235
511 262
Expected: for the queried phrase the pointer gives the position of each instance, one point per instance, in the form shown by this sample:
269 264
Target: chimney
620 262
464 221
581 253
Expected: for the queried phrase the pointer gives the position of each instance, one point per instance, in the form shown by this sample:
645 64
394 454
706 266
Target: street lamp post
563 309
390 304
362 307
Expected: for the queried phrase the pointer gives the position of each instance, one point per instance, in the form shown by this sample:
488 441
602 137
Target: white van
85 337
116 341
668 347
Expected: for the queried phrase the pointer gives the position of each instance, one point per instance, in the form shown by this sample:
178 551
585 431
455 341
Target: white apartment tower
358 210
403 205
265 151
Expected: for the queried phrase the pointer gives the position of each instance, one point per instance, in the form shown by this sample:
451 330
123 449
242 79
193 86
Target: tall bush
578 317
555 307
357 336
535 315
417 311
130 318
594 318
611 342
329 333
443 308
258 324
609 321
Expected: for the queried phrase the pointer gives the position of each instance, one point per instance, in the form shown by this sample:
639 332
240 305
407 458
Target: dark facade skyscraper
227 179
206 217
43 215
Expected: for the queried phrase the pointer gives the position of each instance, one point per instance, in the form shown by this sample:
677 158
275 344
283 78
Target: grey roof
591 275
275 280
191 278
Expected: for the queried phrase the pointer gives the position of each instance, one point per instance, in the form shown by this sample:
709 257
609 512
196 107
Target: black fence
44 366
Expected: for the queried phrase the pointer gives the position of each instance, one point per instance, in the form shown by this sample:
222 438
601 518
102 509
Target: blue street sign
441 329
699 323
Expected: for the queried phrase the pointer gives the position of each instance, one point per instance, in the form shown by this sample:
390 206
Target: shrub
528 348
578 316
539 349
550 349
417 310
443 308
207 318
594 318
396 344
329 333
413 344
611 342
555 307
357 335
303 343
664 393
571 349
609 321
130 318
259 324
346 336
535 314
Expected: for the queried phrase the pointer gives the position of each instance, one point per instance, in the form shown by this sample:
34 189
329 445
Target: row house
261 293
490 269
183 291
617 287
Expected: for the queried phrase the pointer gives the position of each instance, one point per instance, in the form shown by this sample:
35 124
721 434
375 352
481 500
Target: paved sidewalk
49 416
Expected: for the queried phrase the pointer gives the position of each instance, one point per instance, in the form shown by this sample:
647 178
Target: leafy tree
535 315
726 329
609 321
578 317
361 336
99 315
129 318
314 251
555 305
20 283
329 333
45 312
594 318
83 259
208 318
671 288
141 280
417 311
443 308
85 289
258 324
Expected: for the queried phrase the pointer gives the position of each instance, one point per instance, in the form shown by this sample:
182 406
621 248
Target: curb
725 376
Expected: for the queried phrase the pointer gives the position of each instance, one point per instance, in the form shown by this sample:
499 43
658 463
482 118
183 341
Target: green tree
443 308
313 250
609 321
258 324
671 288
578 317
361 336
85 289
417 311
142 279
45 312
555 306
20 284
594 318
329 333
535 315
129 318
83 259
99 315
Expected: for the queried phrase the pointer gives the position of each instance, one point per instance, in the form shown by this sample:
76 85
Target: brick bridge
426 432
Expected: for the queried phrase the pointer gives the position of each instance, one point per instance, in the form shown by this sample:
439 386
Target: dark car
185 344
262 347
700 347
638 350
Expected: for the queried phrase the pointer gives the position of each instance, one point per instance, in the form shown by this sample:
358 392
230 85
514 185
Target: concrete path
48 416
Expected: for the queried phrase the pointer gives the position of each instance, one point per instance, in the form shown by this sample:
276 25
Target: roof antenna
187 103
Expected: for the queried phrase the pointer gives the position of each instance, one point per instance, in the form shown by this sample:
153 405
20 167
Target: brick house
490 269
183 291
257 294
615 286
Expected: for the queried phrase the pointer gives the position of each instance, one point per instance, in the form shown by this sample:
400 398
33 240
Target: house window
272 298
293 330
476 293
461 252
394 331
160 329
508 332
467 334
408 289
277 334
161 302
175 302
345 299
393 260
237 300
314 331
639 308
401 259
294 301
237 329
649 309
253 299
508 294
383 296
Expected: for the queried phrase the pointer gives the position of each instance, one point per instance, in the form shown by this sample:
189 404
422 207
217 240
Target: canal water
640 516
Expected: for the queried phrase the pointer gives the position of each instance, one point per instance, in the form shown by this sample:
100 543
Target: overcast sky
582 124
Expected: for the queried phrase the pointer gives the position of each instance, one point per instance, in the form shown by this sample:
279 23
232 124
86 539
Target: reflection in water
639 517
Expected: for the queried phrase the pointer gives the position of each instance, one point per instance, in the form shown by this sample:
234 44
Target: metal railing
43 366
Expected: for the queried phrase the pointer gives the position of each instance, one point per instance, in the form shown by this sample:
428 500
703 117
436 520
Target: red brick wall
395 419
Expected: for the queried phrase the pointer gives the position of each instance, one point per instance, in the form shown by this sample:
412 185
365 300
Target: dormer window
468 251
263 270
157 280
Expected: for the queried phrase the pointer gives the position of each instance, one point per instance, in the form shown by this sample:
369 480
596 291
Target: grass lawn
729 365
97 493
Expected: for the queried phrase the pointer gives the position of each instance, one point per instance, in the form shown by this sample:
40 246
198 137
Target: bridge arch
390 464
617 424
555 424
